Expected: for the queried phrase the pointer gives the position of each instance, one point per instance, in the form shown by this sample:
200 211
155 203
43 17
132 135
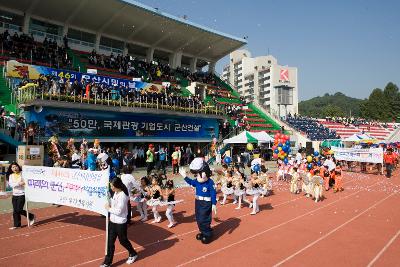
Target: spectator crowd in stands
355 121
26 48
311 127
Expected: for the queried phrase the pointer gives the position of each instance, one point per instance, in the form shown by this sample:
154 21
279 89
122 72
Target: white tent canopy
248 137
263 137
358 137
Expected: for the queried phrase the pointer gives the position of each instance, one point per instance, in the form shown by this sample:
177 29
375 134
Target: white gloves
182 172
214 209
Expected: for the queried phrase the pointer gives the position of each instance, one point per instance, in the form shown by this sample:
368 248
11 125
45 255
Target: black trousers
129 216
117 230
389 169
203 216
18 203
150 167
175 168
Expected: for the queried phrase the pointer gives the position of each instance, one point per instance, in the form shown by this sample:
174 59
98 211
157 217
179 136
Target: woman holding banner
118 223
18 196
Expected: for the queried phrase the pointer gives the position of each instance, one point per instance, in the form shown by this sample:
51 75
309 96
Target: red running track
357 227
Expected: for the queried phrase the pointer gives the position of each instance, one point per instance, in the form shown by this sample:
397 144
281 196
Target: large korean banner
69 187
20 70
371 155
114 125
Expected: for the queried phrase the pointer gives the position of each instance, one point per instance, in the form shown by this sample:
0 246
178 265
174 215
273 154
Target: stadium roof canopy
133 22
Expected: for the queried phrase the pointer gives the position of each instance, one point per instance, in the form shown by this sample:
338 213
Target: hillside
337 104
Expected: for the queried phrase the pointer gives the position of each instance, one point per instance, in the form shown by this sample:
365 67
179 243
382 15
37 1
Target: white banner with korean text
369 155
70 187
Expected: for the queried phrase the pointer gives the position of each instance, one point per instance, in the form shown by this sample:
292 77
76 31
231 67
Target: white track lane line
331 232
193 231
383 249
269 229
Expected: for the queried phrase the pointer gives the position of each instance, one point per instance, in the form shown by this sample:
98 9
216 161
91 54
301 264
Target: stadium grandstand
118 71
130 74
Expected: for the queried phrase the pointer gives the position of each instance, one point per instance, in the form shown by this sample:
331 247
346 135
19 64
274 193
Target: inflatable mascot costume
206 200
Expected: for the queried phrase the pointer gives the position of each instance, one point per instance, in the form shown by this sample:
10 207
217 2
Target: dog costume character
206 199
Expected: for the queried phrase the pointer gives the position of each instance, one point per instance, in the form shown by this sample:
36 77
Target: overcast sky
348 46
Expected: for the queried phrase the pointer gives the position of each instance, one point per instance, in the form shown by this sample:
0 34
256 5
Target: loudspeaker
309 148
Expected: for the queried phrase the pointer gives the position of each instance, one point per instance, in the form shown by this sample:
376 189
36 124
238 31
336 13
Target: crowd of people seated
355 121
154 71
311 127
25 47
56 86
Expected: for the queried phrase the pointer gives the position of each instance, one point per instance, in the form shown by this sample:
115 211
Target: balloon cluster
314 158
281 147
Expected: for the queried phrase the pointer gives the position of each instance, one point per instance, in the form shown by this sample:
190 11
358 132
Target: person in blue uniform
206 199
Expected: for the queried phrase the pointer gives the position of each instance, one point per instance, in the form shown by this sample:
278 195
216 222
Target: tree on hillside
332 111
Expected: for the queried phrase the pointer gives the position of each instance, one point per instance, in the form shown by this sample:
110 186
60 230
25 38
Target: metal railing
26 95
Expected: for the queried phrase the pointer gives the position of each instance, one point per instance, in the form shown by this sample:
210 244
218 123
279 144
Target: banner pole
27 213
105 248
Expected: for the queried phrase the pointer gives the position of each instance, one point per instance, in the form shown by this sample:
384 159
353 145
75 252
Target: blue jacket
206 189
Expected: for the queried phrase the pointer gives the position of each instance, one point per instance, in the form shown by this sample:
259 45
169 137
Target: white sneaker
238 208
144 219
13 228
171 225
234 202
250 205
31 222
253 213
104 265
131 259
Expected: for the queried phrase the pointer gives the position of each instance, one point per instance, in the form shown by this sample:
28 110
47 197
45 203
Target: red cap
151 146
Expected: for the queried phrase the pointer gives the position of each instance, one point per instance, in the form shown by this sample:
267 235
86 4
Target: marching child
294 187
18 196
141 198
240 192
154 202
338 178
227 187
170 197
254 190
280 175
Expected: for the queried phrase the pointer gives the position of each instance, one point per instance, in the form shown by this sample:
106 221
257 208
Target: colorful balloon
309 159
316 153
227 160
286 160
256 168
249 146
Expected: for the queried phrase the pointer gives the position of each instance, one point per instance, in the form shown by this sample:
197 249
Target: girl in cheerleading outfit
155 201
240 191
140 198
280 175
264 181
255 190
338 178
170 197
227 187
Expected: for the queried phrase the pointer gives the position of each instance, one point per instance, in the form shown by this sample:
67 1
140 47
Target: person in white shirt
130 182
117 226
76 160
18 195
